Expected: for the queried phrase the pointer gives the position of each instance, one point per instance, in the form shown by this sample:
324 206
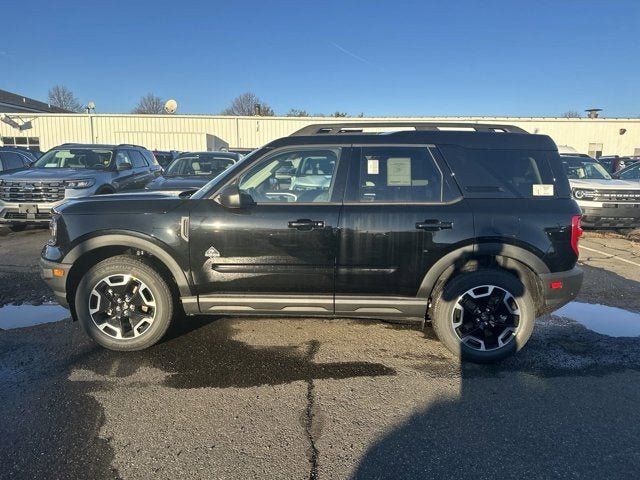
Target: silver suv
605 202
72 171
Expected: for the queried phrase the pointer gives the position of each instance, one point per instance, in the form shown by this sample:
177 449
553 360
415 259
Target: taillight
576 233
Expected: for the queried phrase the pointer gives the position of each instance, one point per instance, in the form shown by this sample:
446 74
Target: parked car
605 202
164 158
473 231
193 170
631 173
615 163
72 171
12 159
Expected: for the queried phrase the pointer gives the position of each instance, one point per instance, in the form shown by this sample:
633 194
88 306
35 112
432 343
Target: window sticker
373 167
399 171
542 190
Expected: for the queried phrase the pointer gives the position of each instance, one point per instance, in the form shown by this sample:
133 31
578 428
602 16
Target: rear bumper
555 298
57 283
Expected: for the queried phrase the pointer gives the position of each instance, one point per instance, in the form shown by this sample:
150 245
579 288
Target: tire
150 306
17 228
105 191
487 338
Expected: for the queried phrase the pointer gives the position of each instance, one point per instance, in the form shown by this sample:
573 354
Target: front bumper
19 214
610 215
58 283
554 298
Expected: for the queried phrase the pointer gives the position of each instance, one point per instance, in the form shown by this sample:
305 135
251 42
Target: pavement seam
309 416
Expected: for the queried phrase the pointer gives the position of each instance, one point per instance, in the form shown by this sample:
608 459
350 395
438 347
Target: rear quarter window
483 173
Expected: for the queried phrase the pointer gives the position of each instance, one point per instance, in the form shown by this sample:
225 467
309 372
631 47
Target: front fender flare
132 241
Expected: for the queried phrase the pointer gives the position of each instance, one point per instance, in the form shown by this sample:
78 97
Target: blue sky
485 57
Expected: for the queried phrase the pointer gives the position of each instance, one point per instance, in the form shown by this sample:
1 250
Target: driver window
297 176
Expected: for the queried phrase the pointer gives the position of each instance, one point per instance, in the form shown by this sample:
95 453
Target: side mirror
124 166
231 197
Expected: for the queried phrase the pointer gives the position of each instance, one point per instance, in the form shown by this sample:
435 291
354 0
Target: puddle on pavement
611 321
27 315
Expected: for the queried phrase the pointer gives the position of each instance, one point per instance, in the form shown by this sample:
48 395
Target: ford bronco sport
474 231
605 202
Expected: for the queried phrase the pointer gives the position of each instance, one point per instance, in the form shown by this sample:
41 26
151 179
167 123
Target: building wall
189 132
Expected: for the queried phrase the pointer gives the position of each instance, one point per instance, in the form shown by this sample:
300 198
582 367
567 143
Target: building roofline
469 119
28 105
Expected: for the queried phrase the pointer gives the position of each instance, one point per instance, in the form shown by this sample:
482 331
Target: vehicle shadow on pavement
566 406
51 421
201 352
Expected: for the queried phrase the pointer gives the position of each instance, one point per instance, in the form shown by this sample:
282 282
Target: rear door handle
433 225
306 224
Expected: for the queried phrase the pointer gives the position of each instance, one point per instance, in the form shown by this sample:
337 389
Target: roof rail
128 145
357 127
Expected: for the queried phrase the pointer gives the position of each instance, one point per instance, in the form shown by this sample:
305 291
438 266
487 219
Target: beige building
605 136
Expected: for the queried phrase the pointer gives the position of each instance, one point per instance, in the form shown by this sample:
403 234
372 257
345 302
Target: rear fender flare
462 255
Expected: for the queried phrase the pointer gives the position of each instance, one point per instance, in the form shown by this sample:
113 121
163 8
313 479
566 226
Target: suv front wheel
483 316
124 304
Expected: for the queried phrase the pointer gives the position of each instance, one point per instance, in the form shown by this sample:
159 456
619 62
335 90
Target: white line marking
609 255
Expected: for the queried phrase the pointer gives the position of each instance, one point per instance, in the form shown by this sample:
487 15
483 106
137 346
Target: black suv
473 231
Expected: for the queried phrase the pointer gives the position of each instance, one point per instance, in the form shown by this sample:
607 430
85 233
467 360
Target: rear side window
151 158
137 158
397 175
505 173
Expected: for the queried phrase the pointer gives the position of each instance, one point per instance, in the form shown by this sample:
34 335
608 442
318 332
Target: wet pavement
611 321
27 315
311 398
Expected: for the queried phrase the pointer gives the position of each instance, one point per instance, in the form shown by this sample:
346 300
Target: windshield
584 169
198 165
78 158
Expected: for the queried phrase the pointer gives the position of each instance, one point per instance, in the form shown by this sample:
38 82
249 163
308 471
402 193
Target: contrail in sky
351 54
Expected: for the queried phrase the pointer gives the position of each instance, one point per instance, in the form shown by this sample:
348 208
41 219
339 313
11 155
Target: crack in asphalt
309 415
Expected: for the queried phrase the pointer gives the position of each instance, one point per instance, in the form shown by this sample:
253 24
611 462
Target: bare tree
294 112
571 114
61 97
245 104
339 114
149 104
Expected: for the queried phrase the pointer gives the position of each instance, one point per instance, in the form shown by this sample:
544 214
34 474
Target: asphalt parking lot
309 398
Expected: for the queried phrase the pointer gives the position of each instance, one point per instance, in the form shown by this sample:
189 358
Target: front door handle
433 225
306 224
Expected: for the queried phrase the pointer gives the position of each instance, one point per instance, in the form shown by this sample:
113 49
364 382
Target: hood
604 184
178 183
50 174
122 203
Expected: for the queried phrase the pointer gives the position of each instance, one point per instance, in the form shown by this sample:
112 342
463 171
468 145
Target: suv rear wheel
124 304
483 316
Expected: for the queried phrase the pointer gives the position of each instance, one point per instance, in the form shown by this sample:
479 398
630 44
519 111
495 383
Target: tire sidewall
146 274
446 300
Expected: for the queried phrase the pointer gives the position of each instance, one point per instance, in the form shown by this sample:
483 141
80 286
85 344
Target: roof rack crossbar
356 127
